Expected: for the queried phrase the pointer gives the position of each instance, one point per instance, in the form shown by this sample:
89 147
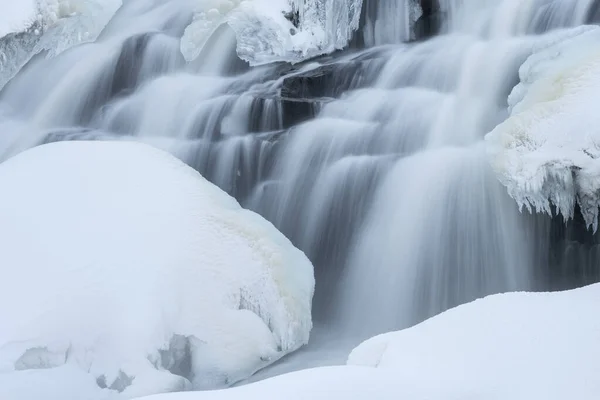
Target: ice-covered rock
548 151
120 261
275 30
49 26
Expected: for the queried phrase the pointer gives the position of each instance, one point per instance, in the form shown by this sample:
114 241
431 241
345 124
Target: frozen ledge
548 151
276 30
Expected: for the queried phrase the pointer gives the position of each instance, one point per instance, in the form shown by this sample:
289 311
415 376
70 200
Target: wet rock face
333 78
430 23
593 14
326 81
430 6
567 252
573 253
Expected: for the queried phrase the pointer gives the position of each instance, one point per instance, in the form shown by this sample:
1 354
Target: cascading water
372 161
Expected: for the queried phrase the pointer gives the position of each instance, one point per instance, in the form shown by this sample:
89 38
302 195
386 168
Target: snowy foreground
126 274
122 268
517 346
548 150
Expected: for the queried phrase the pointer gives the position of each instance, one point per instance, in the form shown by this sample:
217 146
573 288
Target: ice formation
120 261
275 30
51 26
547 152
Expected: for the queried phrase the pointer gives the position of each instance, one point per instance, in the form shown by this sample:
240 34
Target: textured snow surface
16 16
121 262
509 346
517 346
328 383
547 151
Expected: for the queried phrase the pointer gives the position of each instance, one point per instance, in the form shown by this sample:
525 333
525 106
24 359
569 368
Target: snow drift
509 346
120 261
515 346
548 150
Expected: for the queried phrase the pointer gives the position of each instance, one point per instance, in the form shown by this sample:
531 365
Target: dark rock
593 13
428 25
296 111
293 16
177 359
568 256
330 80
430 7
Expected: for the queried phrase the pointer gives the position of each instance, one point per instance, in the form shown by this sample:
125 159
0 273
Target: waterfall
371 160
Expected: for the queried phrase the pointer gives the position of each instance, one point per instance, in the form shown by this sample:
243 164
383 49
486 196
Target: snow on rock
275 30
16 15
517 346
39 15
120 261
504 347
548 150
51 26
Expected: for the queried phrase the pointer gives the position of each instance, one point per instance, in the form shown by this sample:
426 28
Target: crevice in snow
177 359
119 384
41 358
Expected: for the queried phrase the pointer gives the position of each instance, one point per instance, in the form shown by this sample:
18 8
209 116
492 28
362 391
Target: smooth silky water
385 186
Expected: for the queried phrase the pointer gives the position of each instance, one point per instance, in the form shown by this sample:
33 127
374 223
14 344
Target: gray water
371 161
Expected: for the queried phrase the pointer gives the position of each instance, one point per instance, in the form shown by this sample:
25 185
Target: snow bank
548 150
121 261
327 383
275 30
504 347
517 346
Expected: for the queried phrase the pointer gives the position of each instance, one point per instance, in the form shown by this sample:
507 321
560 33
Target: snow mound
517 346
121 261
504 347
548 150
275 30
327 383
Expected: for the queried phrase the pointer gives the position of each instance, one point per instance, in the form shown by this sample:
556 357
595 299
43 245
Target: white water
387 190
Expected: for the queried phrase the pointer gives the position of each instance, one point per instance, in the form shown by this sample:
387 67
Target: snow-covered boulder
505 347
118 260
548 150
